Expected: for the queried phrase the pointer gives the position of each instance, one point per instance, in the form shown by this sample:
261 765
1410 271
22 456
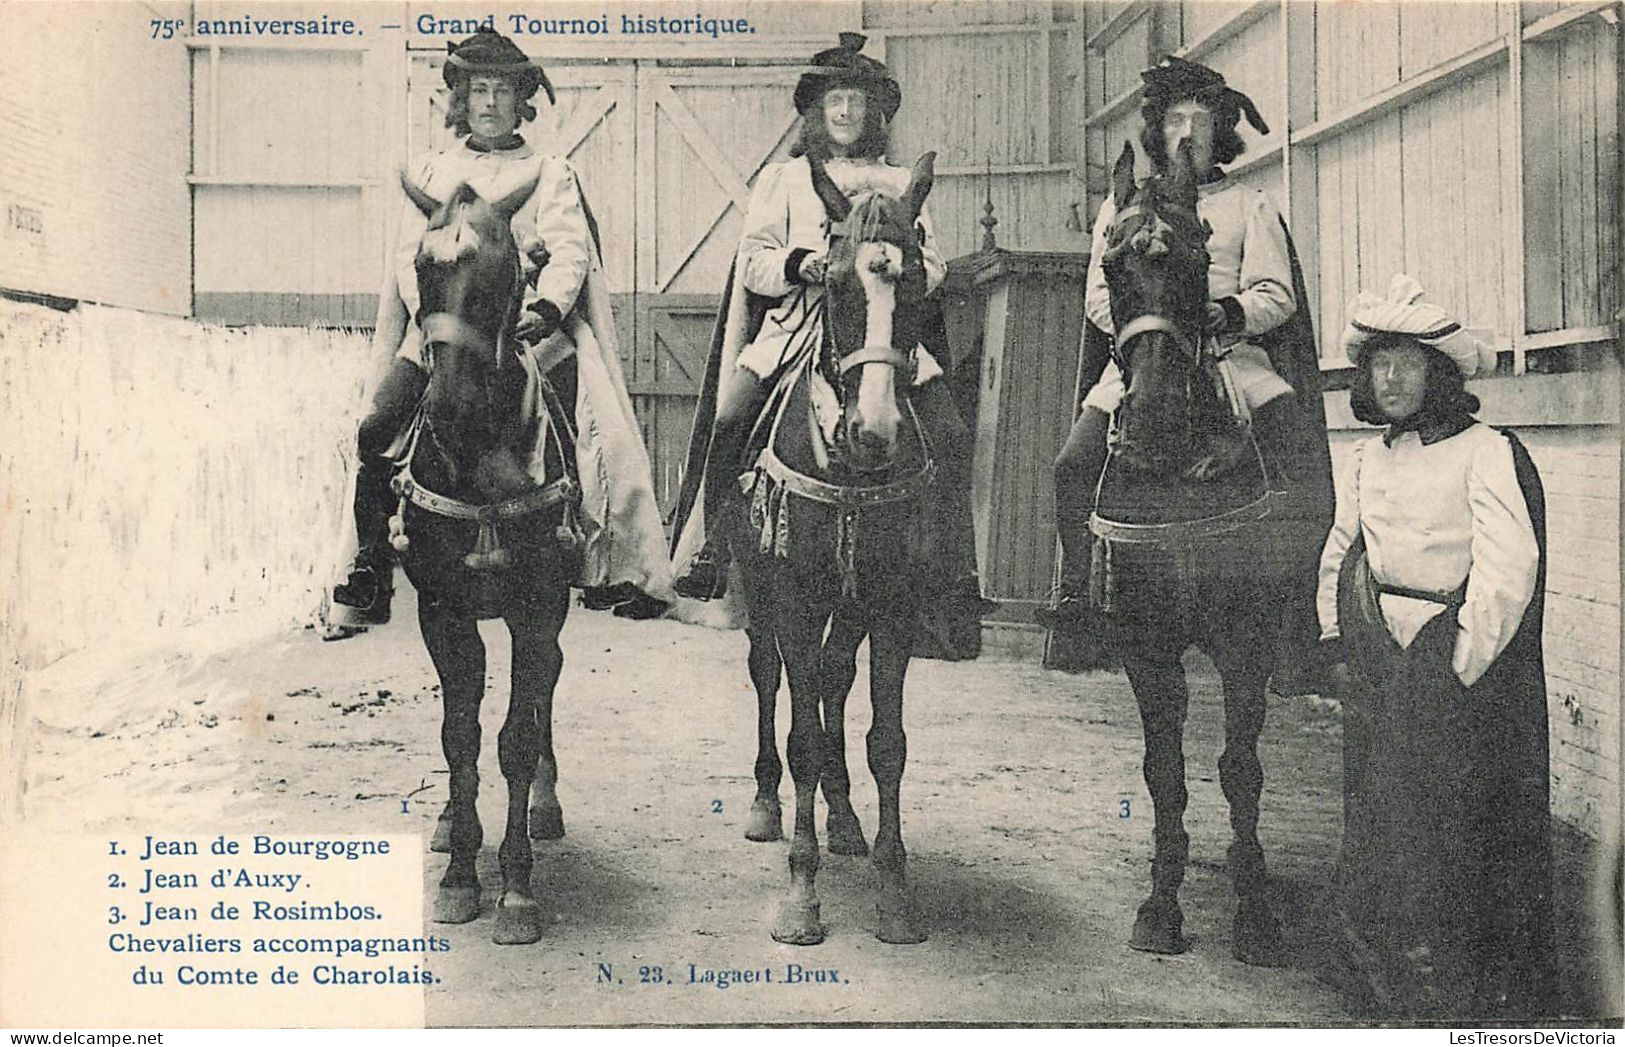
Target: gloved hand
537 321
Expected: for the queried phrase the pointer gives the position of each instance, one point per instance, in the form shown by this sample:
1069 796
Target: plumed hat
1175 80
1404 312
847 66
489 53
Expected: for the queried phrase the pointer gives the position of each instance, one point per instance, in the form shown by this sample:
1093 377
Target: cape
1447 824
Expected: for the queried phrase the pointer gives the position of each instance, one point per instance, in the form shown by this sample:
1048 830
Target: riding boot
371 583
706 575
1277 428
1077 471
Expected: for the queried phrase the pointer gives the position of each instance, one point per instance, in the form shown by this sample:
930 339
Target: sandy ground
1026 872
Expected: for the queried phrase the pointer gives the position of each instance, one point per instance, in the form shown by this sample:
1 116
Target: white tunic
1432 515
785 213
553 216
1247 261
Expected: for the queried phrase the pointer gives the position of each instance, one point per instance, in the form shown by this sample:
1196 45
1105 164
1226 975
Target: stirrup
705 578
1068 611
366 593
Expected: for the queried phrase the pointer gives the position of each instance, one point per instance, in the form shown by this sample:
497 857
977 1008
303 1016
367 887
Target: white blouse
1432 515
552 216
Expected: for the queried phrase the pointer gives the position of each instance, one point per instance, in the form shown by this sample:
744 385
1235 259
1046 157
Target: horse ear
836 205
420 199
919 183
509 205
1182 177
1123 177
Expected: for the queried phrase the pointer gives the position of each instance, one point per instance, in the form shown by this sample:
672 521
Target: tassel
781 529
767 526
1102 583
488 553
397 529
568 533
846 552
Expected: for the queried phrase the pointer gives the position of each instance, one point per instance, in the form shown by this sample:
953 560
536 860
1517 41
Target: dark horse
1191 546
482 537
833 536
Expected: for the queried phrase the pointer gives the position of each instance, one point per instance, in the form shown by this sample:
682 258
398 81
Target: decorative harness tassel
488 554
846 551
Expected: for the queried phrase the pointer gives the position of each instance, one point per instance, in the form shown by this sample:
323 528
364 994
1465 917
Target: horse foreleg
766 819
799 630
838 668
1159 689
546 815
458 654
1257 933
890 644
520 745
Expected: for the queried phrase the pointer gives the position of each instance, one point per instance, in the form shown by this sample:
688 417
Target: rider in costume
847 103
1250 291
565 315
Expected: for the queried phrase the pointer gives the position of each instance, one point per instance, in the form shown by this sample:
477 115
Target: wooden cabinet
1014 324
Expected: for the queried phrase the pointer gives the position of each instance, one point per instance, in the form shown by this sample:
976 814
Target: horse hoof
899 927
1158 928
440 842
1256 935
845 835
456 904
765 823
519 922
798 925
547 823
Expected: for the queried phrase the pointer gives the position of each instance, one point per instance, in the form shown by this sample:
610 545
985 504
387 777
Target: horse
829 548
1188 551
487 529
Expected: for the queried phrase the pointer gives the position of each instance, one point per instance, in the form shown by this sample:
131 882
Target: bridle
488 553
1180 532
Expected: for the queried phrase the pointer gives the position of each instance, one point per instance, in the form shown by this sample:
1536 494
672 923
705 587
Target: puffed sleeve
404 275
764 242
1345 525
1265 296
1097 298
1505 558
561 224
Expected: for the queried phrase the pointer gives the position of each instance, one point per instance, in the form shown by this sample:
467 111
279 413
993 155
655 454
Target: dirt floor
1026 871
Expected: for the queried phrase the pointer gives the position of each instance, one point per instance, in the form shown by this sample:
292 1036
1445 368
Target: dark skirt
1446 872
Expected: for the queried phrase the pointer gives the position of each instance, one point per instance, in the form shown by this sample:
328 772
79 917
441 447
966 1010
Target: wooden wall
93 140
1477 148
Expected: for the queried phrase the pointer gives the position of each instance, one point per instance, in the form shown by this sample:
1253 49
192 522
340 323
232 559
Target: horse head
874 290
469 289
1156 265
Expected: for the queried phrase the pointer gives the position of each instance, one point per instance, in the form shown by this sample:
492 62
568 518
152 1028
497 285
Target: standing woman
1431 590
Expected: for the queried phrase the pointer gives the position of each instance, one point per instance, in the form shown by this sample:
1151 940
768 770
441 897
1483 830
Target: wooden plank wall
93 143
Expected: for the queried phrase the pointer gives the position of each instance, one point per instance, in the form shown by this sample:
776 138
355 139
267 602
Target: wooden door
704 131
